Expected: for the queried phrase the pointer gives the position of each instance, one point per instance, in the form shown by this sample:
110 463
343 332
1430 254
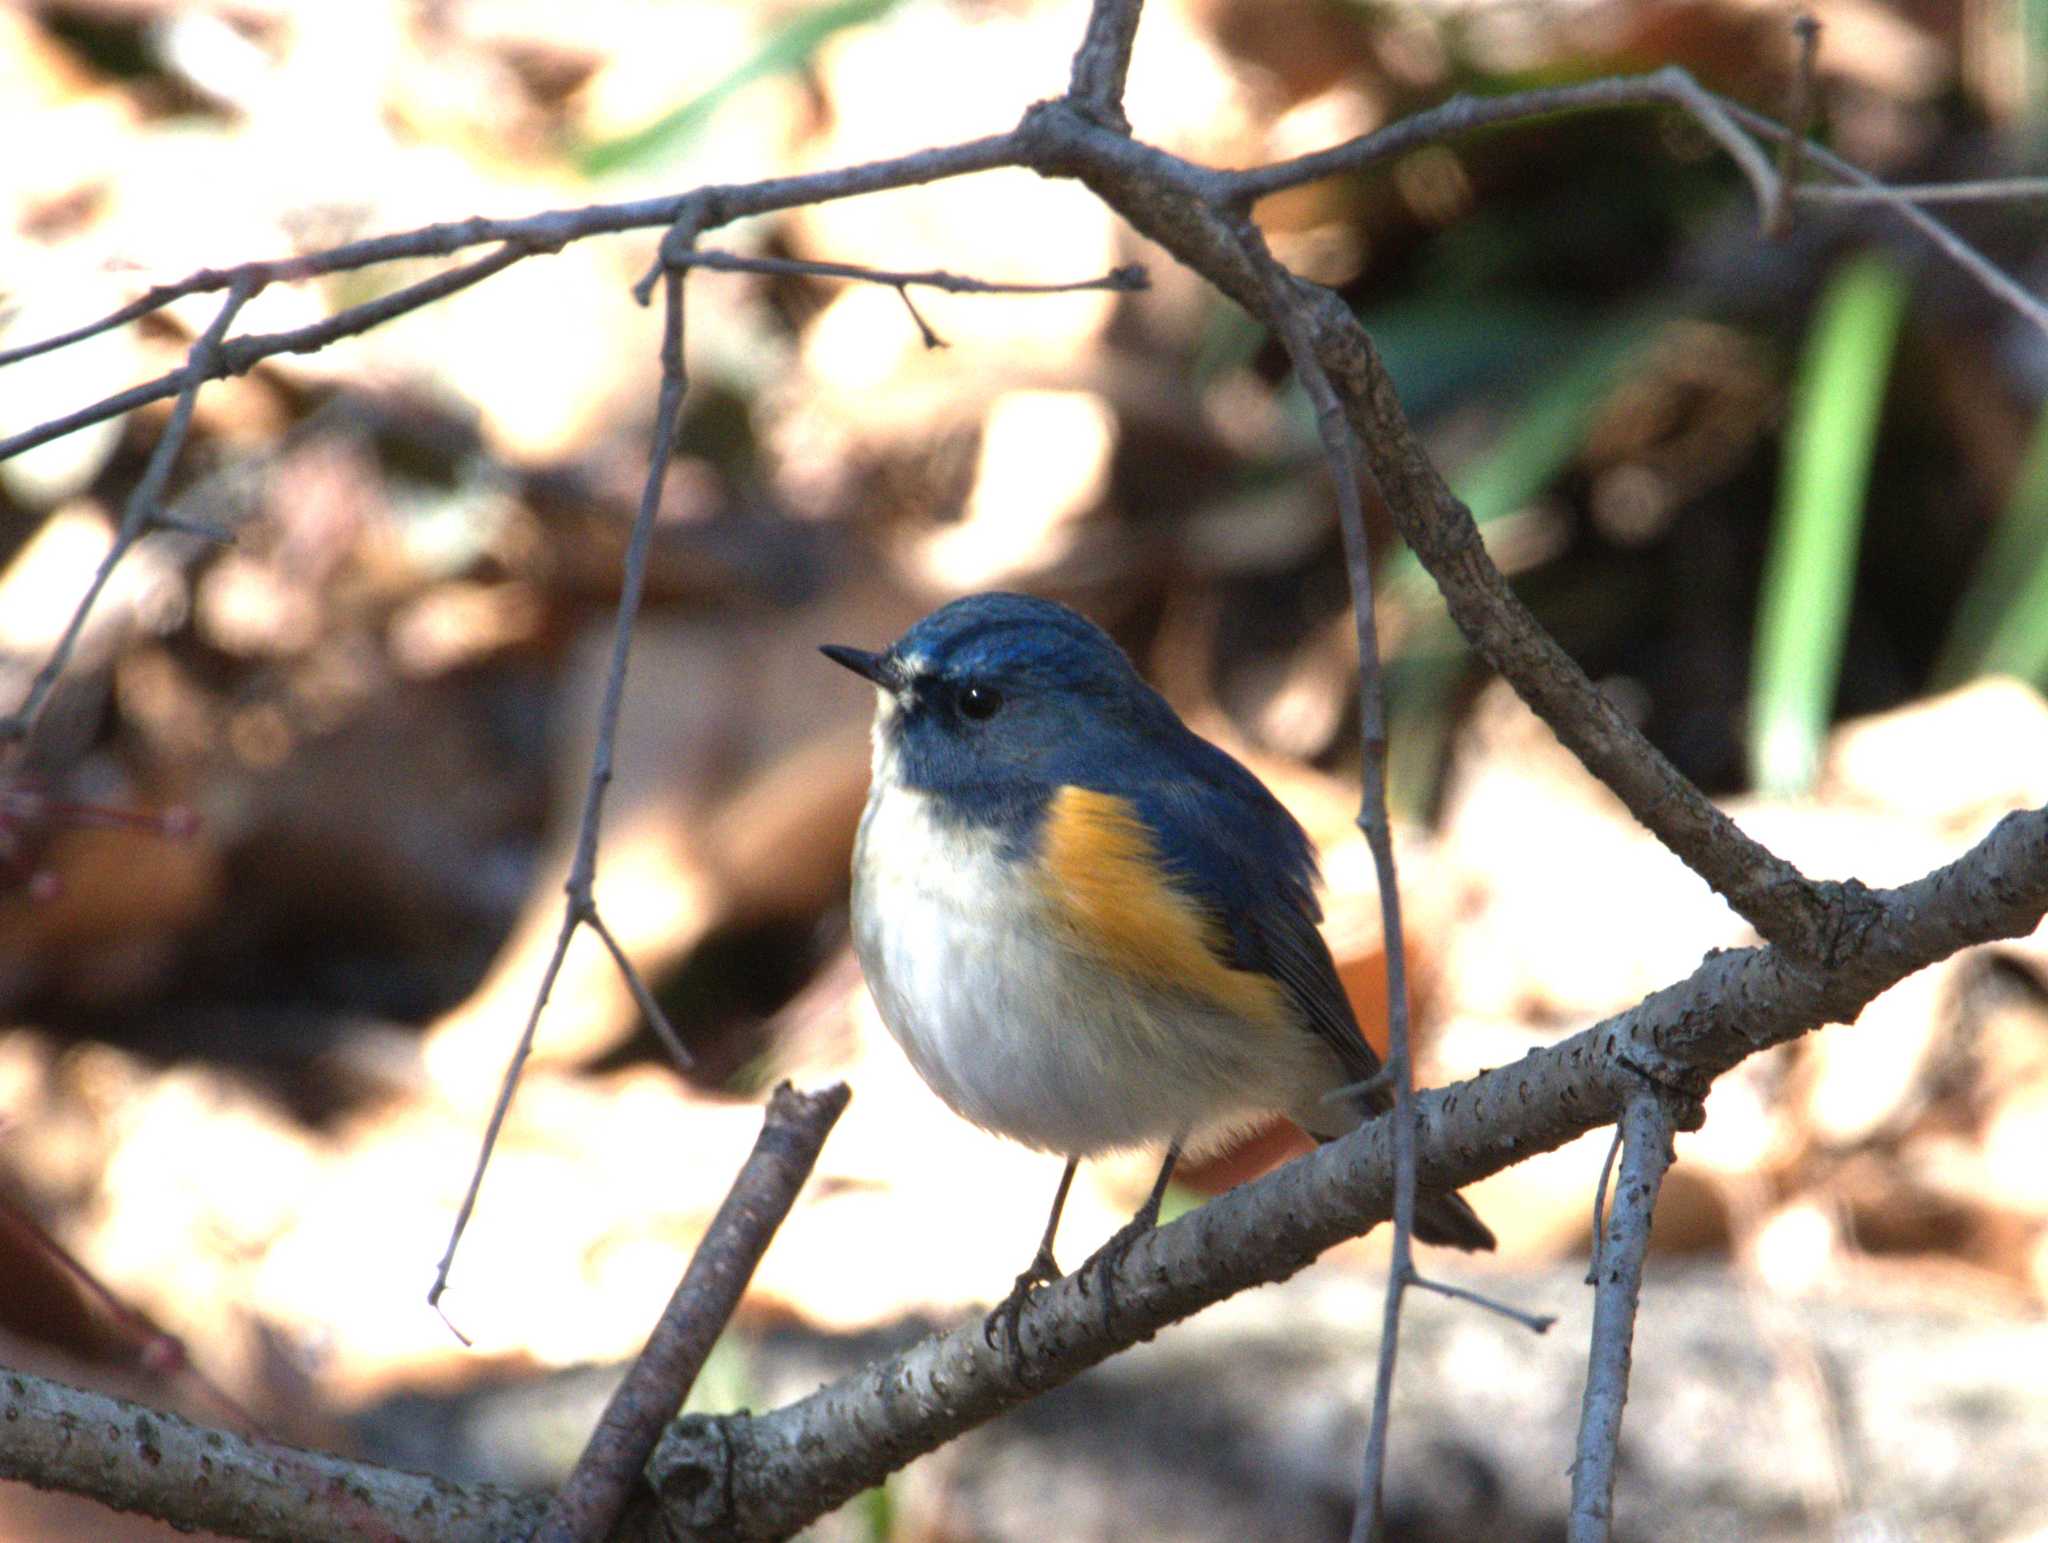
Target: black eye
980 702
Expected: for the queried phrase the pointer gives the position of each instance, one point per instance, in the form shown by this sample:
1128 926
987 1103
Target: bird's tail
1445 1220
1448 1220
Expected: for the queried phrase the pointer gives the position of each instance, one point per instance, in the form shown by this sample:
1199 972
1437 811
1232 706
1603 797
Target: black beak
879 668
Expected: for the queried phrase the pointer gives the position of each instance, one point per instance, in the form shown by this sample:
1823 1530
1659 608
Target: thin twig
643 998
1363 1091
1805 103
144 505
593 1497
553 229
1959 251
1646 1154
1535 1323
1340 449
502 1107
1671 87
925 332
1126 279
1985 190
1600 1208
583 868
244 353
186 525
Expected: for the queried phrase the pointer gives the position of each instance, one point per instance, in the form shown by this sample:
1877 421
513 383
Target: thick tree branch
742 1476
764 1476
595 1494
1103 62
162 1465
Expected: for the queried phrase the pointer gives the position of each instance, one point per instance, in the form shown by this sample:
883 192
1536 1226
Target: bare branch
1671 87
245 353
581 905
554 229
650 1009
1965 256
1535 1323
1989 190
1125 280
1805 99
1646 1154
766 1475
502 1107
742 1475
1103 62
1600 1207
1834 945
115 406
547 232
1766 890
1763 888
144 506
925 331
1340 449
204 1480
595 1494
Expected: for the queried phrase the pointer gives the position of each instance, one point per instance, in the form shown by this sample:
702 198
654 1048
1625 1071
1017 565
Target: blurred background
1787 501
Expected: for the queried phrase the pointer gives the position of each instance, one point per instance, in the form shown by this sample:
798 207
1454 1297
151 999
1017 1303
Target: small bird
1088 927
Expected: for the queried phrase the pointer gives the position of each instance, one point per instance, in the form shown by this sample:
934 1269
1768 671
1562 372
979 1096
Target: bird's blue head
995 697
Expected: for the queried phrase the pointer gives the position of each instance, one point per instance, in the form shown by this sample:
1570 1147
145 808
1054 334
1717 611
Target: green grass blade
1541 436
789 47
2001 625
1537 441
1810 569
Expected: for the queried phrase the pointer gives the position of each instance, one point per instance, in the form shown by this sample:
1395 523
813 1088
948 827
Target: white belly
1027 1037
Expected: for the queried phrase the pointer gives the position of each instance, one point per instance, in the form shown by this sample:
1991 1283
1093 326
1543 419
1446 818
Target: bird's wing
1213 845
1226 846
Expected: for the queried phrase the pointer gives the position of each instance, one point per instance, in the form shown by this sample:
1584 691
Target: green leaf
2001 625
1537 441
790 47
1542 435
1810 568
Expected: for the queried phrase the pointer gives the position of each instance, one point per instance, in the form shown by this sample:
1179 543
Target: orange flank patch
1101 870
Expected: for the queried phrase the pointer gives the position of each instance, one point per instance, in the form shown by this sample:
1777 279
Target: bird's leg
1103 1267
1042 1271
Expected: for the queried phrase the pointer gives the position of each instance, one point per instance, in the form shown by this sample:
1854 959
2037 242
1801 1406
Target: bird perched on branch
1088 927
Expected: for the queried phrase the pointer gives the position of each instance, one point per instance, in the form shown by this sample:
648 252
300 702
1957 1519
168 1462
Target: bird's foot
1099 1273
1042 1271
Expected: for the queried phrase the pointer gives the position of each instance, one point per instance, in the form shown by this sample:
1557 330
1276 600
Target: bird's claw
1042 1271
1099 1273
